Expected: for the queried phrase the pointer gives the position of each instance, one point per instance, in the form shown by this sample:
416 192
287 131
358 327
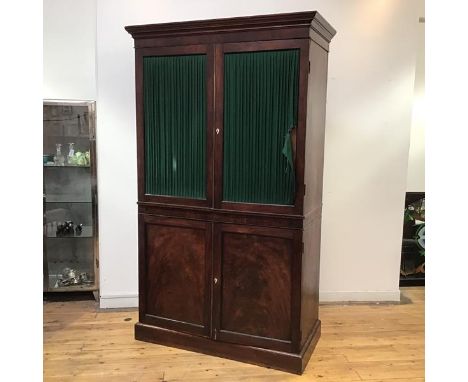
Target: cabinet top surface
310 19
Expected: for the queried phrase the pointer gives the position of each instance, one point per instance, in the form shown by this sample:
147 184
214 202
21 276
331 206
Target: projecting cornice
300 21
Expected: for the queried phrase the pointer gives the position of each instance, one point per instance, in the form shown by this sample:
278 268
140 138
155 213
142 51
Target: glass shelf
56 199
67 202
66 166
69 136
72 288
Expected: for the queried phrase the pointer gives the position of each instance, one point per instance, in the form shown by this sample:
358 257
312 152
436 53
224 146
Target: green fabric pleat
175 125
260 108
289 154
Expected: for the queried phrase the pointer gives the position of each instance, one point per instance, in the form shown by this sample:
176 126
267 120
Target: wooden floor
378 342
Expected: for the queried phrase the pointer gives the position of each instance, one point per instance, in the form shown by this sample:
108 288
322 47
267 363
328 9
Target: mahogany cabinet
230 139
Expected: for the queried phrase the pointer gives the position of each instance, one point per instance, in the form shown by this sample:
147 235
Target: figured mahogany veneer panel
175 273
256 285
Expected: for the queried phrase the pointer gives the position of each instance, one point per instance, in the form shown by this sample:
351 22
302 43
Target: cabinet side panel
313 179
315 130
310 276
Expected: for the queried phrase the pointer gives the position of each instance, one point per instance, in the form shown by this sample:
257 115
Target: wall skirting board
118 301
131 300
359 296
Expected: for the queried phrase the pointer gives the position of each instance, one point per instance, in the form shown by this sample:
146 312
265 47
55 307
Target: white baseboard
131 300
118 301
361 296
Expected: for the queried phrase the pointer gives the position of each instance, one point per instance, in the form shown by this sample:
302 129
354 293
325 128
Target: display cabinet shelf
75 288
66 166
69 136
66 201
56 199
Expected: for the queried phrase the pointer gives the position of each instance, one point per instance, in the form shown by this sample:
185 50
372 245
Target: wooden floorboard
375 342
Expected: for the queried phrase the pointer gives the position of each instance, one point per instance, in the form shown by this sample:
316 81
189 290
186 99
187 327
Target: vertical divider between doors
217 260
210 122
208 279
218 125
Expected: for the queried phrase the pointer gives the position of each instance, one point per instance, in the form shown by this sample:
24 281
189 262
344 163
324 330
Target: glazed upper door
256 276
174 100
260 122
175 273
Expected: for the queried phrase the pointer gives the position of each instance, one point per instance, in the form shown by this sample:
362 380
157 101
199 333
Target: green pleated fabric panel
175 125
260 107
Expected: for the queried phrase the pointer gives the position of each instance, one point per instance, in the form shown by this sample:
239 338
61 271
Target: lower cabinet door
255 285
175 273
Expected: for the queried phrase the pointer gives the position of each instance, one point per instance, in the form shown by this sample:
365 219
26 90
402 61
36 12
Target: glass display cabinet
70 197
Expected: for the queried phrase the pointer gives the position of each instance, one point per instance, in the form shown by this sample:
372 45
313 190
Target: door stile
208 277
218 124
296 288
216 280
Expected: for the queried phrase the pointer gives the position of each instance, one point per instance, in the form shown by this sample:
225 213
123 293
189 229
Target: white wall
69 49
371 83
416 160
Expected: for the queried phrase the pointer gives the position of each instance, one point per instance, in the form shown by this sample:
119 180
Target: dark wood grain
177 268
222 215
293 32
255 280
280 21
176 264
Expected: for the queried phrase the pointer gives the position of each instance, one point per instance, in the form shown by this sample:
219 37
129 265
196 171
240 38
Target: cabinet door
175 272
255 285
261 123
173 98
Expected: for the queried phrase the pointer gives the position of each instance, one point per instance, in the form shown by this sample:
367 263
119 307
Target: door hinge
309 66
304 189
97 262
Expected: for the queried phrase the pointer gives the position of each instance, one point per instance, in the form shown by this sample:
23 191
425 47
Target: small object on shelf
80 159
59 159
88 158
71 153
47 158
65 229
69 230
59 231
79 229
84 278
70 277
